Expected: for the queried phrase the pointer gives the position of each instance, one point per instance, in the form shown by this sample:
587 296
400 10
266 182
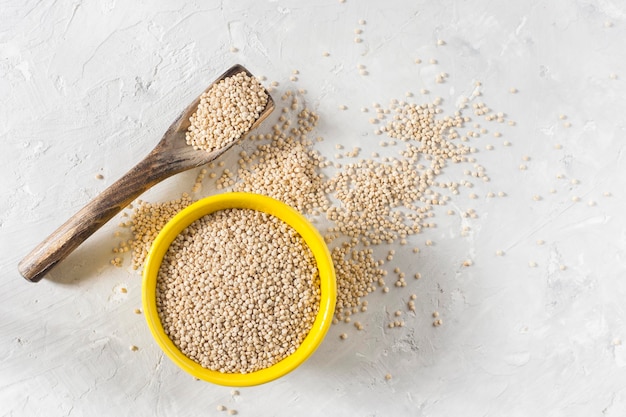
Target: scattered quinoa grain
147 221
375 202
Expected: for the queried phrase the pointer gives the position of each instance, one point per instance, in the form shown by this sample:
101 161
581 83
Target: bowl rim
287 214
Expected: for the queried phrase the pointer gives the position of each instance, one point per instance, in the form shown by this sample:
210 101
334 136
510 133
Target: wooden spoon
170 156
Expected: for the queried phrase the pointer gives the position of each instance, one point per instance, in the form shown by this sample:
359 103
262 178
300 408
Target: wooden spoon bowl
170 156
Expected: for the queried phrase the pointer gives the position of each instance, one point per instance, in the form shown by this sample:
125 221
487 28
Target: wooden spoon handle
96 213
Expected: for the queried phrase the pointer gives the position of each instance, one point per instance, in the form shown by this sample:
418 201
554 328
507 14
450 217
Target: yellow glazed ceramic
245 201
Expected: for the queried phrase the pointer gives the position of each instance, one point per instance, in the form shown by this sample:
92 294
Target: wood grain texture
170 156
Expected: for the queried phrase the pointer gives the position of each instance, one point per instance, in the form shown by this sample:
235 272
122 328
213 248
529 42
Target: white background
89 87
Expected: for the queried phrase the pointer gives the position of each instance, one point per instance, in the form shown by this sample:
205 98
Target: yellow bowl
245 201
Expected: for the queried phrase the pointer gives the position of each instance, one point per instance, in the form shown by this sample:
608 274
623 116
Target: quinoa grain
228 307
226 112
147 221
367 203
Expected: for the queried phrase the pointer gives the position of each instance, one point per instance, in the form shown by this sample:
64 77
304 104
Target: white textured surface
89 87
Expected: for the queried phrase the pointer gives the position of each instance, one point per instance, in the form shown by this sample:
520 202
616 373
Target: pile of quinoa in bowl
239 289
